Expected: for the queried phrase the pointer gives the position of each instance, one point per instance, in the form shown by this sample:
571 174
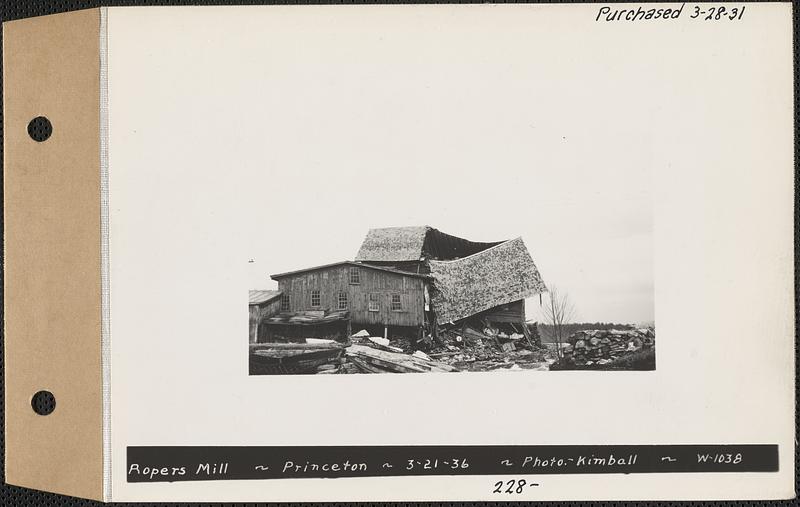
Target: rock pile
603 347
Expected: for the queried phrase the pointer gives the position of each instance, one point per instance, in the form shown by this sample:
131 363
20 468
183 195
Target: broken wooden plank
295 346
395 366
396 361
421 355
319 341
383 343
445 354
365 367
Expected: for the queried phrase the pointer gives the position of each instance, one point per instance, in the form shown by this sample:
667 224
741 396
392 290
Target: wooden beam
527 334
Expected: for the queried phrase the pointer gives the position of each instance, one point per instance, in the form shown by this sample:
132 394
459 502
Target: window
397 306
374 303
315 298
342 301
285 303
355 276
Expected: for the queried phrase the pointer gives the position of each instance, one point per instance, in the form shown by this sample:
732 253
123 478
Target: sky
480 136
313 139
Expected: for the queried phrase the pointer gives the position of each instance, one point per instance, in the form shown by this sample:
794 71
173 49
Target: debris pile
605 347
480 346
474 346
464 349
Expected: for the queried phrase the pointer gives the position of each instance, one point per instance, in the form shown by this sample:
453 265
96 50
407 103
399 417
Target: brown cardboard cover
52 253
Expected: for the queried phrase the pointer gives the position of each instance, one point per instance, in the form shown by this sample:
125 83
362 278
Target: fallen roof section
258 297
499 275
348 263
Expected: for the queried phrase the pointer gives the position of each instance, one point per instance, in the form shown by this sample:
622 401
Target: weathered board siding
332 280
259 312
511 312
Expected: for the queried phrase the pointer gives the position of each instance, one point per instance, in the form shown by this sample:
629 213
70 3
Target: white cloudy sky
484 135
313 138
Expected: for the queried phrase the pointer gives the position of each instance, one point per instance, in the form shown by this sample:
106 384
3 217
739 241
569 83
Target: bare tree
557 312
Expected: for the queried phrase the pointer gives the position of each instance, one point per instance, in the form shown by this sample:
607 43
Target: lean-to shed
262 304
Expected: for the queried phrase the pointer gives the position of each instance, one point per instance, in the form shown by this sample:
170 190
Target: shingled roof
499 275
393 244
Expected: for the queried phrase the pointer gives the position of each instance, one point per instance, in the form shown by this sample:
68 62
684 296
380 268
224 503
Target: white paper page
647 165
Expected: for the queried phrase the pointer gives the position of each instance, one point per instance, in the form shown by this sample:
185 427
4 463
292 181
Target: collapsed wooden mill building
414 280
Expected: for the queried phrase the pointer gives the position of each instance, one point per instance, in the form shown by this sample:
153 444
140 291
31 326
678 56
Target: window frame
315 293
286 302
376 300
354 270
342 297
399 303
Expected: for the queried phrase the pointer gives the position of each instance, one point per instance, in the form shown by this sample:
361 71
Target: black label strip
168 464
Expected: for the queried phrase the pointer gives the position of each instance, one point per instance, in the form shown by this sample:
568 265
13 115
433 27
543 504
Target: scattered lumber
364 366
387 361
507 347
379 340
383 343
421 355
475 335
445 354
295 346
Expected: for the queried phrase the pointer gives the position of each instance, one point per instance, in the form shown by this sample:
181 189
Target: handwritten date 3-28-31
644 13
717 13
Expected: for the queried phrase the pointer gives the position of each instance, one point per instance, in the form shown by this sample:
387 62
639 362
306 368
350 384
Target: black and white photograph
416 299
455 217
575 220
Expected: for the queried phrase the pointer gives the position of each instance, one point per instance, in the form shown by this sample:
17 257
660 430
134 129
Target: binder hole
43 403
40 129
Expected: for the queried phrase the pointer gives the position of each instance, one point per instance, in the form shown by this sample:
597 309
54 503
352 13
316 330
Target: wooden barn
417 278
375 296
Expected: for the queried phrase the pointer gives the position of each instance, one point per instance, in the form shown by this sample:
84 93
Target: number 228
512 486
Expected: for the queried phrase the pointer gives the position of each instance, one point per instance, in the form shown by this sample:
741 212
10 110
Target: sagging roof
348 263
258 297
498 275
403 244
